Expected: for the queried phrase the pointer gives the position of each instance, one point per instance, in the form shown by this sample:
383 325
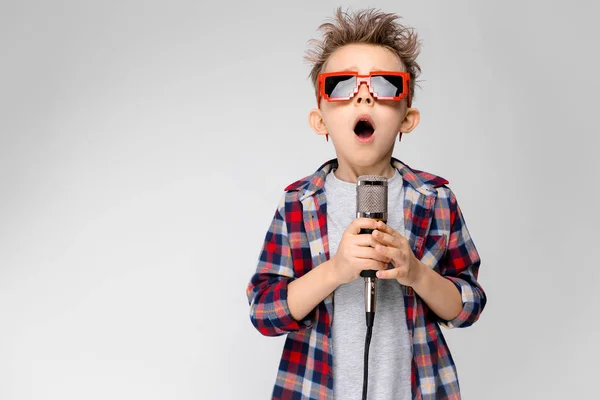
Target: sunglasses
383 85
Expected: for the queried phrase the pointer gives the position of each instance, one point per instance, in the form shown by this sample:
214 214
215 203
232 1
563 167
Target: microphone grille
371 194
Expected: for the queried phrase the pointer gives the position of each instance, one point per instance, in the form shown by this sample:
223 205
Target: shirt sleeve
268 287
460 265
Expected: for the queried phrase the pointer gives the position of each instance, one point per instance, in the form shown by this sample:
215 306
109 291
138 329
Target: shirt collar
423 182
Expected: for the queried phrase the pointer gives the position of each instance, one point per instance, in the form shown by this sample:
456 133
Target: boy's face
358 145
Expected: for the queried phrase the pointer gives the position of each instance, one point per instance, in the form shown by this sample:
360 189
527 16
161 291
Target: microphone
371 202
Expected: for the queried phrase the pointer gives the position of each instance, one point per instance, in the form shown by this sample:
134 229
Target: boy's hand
407 268
356 252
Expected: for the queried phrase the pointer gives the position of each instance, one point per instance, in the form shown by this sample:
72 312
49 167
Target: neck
350 173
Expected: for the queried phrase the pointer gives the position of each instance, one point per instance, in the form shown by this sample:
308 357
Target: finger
388 273
361 223
372 254
395 255
364 241
399 239
385 238
383 227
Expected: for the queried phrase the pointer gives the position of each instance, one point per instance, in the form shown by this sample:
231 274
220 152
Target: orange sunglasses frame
366 79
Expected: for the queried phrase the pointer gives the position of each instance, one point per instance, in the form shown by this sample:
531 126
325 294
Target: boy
312 254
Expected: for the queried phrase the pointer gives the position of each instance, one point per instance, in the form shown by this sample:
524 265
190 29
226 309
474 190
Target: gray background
144 148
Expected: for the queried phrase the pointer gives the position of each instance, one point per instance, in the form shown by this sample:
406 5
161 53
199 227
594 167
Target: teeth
366 121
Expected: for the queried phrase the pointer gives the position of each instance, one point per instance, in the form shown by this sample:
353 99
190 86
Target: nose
363 95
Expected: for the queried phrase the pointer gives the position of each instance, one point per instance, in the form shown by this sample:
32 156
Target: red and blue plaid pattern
297 241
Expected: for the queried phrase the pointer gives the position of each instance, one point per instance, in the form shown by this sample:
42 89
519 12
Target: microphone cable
370 296
366 374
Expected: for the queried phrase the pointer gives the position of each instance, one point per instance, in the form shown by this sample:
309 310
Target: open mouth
364 128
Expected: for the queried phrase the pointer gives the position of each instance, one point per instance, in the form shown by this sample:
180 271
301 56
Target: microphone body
371 202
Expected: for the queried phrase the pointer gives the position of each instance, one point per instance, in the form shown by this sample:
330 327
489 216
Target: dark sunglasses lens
387 85
339 86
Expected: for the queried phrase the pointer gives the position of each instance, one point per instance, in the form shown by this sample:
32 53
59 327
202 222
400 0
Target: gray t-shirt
390 353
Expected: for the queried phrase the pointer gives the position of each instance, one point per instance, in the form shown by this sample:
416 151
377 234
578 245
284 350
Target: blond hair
368 26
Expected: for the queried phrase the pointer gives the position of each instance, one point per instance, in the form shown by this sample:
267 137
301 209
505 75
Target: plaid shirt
297 241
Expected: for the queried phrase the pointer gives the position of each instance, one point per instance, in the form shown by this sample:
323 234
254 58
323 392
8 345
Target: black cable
370 318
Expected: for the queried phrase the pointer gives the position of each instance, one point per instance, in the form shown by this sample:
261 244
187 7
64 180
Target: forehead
363 58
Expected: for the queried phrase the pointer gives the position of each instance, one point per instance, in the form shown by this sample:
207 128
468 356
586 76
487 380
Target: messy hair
369 26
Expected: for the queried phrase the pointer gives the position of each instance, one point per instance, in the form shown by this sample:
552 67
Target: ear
411 120
315 120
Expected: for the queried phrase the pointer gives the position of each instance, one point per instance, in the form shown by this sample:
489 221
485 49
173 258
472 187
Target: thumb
388 274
